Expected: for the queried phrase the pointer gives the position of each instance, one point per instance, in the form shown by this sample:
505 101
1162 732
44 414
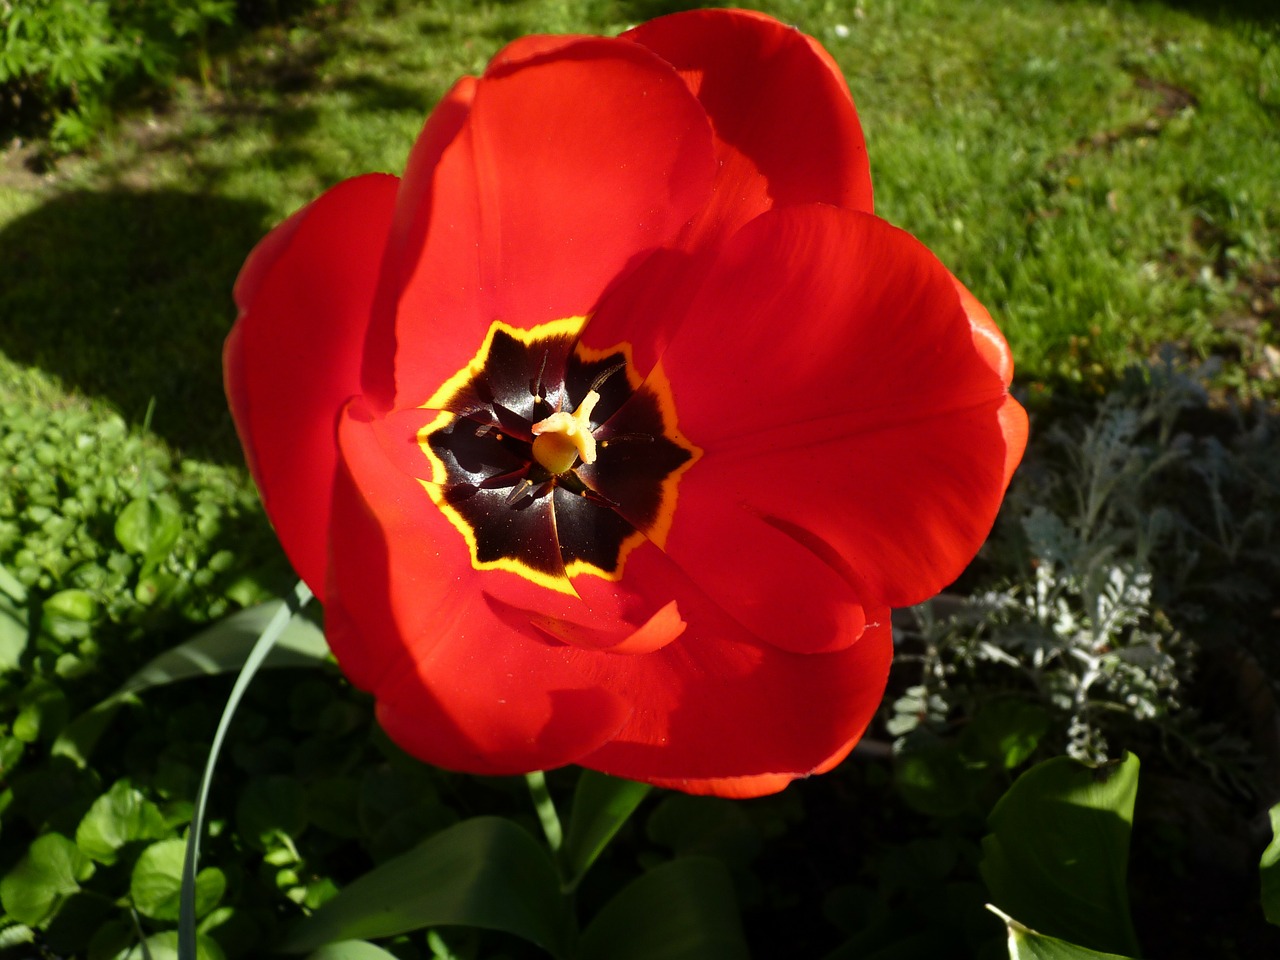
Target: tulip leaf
485 872
682 910
1270 870
221 648
601 805
1027 944
1058 851
190 891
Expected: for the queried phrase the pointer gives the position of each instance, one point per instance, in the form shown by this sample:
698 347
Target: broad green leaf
1270 870
601 805
1058 852
150 527
222 648
351 950
484 872
156 883
121 815
682 910
1026 944
53 869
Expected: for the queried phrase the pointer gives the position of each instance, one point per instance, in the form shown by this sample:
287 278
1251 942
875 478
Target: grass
1101 174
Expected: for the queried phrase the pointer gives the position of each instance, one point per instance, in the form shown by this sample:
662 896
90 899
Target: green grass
1101 174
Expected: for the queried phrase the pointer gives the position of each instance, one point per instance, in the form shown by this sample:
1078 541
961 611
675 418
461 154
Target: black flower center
553 460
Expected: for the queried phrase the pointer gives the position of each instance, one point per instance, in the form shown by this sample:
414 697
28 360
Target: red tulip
610 433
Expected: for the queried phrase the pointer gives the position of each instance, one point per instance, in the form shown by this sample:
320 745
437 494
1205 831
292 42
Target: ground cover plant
1098 173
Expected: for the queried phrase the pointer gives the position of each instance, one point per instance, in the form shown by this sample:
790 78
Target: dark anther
510 478
519 490
536 386
598 382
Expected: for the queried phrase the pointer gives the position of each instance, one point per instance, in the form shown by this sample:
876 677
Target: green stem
546 808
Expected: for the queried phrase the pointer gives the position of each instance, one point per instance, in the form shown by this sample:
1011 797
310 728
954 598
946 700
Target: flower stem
546 808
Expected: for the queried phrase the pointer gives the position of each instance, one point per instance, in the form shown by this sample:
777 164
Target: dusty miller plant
1120 529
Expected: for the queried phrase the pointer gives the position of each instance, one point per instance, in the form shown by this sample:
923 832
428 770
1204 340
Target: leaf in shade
601 805
682 910
485 872
1058 852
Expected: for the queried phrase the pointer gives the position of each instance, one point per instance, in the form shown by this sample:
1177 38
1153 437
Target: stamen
598 382
537 387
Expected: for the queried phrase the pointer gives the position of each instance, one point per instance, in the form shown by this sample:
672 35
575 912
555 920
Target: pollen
564 438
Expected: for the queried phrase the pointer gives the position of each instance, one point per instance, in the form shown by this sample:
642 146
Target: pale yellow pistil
564 437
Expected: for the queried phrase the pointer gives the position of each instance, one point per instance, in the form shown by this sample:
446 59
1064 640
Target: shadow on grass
1264 13
127 296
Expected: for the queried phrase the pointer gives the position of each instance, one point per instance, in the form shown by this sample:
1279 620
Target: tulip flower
610 433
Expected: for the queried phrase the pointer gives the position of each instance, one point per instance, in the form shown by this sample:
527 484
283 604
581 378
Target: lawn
1102 175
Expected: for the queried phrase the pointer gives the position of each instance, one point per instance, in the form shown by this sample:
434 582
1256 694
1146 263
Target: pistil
563 438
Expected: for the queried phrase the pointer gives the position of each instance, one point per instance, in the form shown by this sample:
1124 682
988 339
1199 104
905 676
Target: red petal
571 166
849 409
294 355
718 705
785 125
786 133
744 788
995 351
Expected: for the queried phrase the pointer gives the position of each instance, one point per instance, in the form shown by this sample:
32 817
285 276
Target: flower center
564 437
551 459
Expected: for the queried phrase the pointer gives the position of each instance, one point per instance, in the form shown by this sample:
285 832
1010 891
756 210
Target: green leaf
11 586
149 527
121 815
1026 944
1005 732
222 648
1058 851
14 628
1270 870
156 883
601 805
682 910
484 872
53 869
351 950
